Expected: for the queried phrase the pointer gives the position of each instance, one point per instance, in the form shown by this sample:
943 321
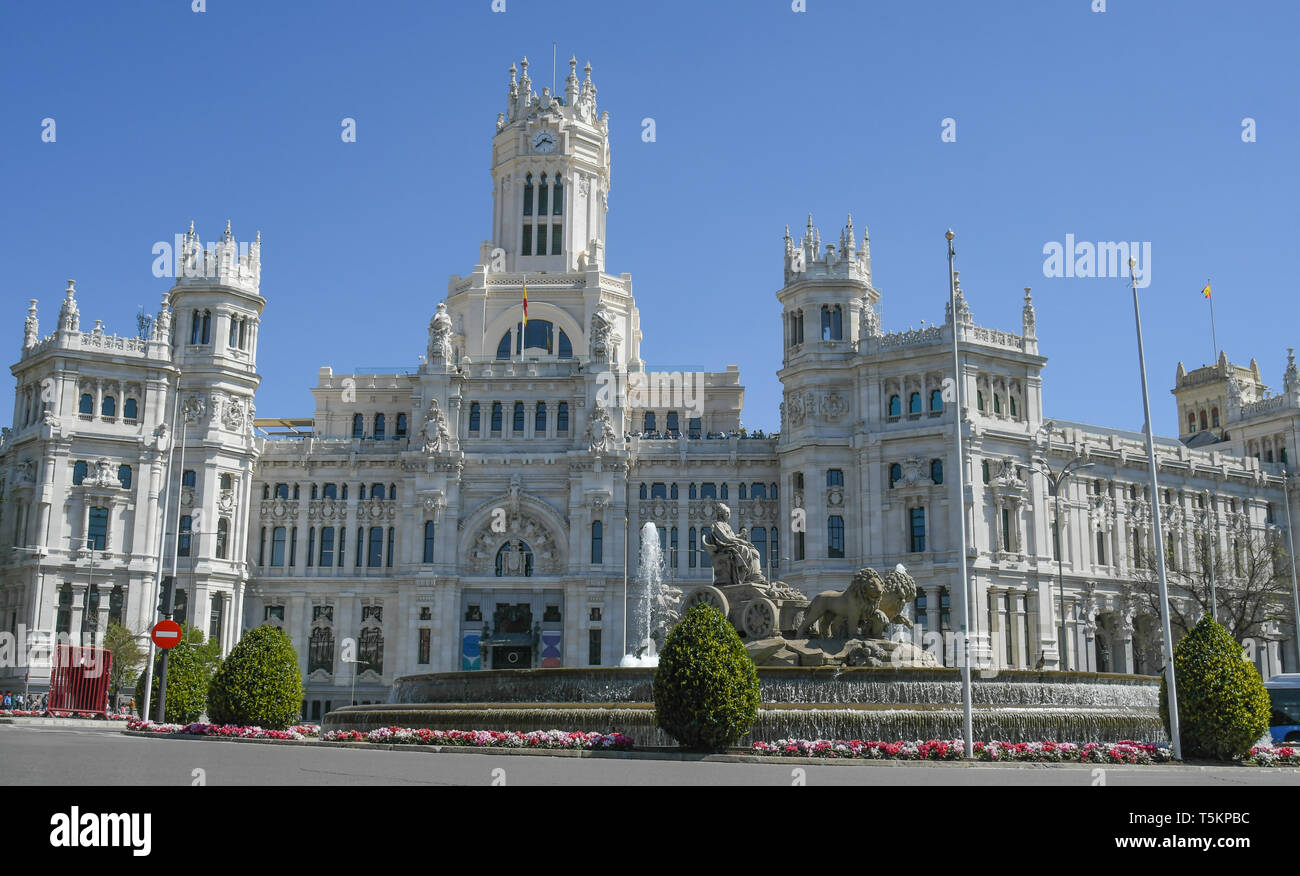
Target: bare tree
1250 583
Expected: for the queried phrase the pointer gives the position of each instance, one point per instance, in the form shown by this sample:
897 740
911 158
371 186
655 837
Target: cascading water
647 618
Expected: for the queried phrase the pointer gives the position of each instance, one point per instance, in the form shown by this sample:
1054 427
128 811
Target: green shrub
259 684
706 688
1223 708
187 684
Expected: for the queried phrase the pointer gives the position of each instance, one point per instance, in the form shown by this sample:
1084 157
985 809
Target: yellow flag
526 302
1206 290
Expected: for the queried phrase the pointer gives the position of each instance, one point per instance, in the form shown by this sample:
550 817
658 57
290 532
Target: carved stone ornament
436 436
600 429
440 332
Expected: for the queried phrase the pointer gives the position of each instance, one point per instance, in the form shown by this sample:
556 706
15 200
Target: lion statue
866 607
834 612
887 597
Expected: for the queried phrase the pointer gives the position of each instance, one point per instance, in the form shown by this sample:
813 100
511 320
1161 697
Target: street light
354 663
1054 481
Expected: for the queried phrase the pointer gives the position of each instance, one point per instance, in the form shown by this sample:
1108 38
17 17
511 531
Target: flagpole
1213 333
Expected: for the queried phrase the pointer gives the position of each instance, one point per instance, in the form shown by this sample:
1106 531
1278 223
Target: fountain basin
878 703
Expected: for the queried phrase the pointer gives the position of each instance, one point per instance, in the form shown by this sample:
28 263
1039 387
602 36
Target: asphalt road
103 757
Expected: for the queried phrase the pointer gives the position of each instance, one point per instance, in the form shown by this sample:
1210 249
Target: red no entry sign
166 634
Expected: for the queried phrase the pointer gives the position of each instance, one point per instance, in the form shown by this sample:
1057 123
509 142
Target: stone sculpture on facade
437 437
602 335
440 332
600 428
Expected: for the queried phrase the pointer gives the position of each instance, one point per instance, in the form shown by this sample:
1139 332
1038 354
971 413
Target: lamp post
1290 535
355 662
1054 481
36 617
1170 682
968 732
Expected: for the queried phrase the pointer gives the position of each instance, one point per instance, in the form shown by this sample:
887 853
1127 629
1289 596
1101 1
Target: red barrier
79 680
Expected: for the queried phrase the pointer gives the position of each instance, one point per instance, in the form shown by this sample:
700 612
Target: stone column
997 647
933 622
1019 655
78 609
571 647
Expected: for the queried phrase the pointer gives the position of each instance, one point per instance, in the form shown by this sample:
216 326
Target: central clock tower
550 176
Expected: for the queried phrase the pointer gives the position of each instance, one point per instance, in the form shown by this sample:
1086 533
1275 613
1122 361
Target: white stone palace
473 510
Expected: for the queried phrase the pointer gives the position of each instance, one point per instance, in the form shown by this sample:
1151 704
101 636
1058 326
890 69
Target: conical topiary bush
1223 708
706 688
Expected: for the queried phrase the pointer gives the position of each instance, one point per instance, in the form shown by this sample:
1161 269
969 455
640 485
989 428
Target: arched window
895 474
722 492
79 469
672 422
936 470
835 477
475 418
917 521
108 407
124 476
562 419
744 492
375 554
1214 417
330 491
429 541
196 323
541 209
835 536
979 400
400 432
597 542
997 403
539 419
377 491
358 426
691 493
496 417
528 198
837 323
223 537
379 427
515 558
1012 402
672 491
566 346
1191 421
914 403
130 409
557 196
326 547
320 649
1203 427
936 400
517 422
539 334
758 490
503 348
758 537
984 468
87 404
895 406
643 492
649 421
826 323
691 559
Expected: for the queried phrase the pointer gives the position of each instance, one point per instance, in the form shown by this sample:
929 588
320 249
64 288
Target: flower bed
1274 755
232 731
543 739
63 713
1126 752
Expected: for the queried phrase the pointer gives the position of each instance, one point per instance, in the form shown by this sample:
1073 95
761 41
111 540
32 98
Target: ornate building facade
474 510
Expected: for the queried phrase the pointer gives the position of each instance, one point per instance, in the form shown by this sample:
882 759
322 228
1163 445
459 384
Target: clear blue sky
1123 125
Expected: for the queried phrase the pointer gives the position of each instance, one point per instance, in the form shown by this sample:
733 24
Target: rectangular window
183 537
835 537
326 547
330 491
1101 548
691 560
593 647
526 248
428 541
277 546
425 641
261 548
293 547
389 560
918 530
597 543
557 238
216 619
799 545
311 545
97 537
708 491
541 238
376 555
562 419
658 491
1006 530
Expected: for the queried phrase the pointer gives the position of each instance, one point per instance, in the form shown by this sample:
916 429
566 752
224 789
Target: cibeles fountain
846 664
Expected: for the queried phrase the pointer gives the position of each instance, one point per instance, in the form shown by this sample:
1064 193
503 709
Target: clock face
544 141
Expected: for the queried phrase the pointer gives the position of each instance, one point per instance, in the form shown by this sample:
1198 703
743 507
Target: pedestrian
8 701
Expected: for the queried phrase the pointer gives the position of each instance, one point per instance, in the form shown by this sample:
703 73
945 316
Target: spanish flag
1206 290
526 302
